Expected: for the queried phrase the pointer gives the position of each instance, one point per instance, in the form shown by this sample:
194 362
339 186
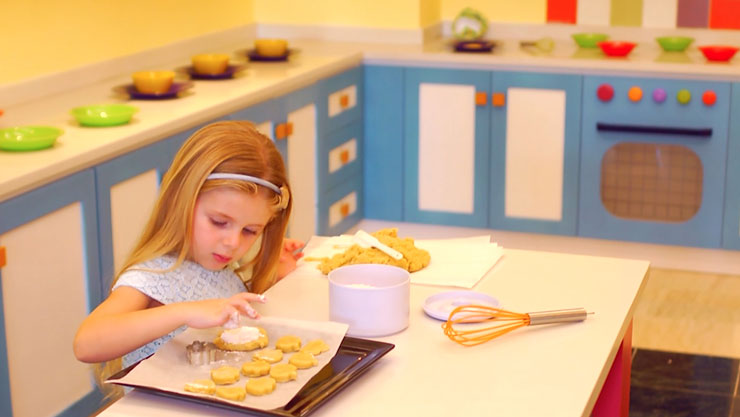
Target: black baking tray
352 359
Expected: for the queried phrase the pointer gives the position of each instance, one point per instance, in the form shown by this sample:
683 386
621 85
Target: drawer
340 100
341 207
340 155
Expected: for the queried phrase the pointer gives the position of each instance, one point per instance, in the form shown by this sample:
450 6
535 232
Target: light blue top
188 282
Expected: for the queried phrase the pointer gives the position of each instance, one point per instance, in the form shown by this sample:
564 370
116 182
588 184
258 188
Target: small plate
28 138
174 91
474 46
254 56
439 306
230 71
100 115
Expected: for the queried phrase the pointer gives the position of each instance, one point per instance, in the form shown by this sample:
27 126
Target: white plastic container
372 299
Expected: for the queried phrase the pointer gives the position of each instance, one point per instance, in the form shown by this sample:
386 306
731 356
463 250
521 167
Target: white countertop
80 147
555 370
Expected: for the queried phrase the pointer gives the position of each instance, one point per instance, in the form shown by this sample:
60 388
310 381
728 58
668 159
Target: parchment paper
456 262
169 370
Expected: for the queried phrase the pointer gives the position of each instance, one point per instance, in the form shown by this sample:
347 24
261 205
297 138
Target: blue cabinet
731 225
446 146
535 137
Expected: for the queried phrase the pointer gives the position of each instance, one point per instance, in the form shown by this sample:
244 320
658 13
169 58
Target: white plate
439 306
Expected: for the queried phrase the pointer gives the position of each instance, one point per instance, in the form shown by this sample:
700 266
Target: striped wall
712 14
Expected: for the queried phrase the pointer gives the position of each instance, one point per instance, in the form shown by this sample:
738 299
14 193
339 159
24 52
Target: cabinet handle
281 131
3 258
498 99
344 101
481 99
660 130
344 210
288 128
344 156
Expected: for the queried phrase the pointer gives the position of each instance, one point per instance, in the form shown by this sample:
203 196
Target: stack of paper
458 262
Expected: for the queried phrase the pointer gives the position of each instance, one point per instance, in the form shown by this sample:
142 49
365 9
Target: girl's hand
216 312
289 257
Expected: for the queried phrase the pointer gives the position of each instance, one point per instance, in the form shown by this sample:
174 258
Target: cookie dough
413 259
288 343
201 386
261 386
268 355
232 393
258 343
283 372
303 360
315 347
256 368
225 375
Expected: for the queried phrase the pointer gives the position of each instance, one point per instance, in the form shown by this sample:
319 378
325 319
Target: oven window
649 181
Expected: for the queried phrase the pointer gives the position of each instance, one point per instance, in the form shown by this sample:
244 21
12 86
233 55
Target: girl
225 191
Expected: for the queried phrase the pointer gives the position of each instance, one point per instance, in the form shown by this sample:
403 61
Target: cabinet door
535 133
301 162
267 117
731 225
446 147
49 284
127 188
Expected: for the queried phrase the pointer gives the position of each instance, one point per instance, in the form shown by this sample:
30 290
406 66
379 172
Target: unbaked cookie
315 347
268 355
225 375
283 372
303 360
261 386
258 343
201 386
232 393
288 343
256 368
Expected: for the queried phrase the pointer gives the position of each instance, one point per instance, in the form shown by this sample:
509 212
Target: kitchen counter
556 370
79 148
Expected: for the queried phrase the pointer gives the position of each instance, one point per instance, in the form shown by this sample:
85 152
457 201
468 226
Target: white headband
249 178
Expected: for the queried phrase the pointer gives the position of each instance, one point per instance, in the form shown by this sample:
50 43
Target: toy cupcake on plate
469 27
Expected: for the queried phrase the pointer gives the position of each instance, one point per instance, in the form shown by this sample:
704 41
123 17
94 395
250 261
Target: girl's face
226 223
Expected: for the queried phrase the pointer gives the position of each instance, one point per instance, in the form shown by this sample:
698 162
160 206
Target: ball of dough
256 368
225 375
303 360
261 386
288 343
283 372
232 393
201 386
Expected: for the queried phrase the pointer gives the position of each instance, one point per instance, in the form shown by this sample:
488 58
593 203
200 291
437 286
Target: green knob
683 96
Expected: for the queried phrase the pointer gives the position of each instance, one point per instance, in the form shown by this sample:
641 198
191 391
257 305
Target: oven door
653 170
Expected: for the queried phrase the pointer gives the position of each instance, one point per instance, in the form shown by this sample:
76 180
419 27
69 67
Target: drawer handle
283 130
3 258
344 156
481 99
344 101
344 209
498 99
660 130
289 128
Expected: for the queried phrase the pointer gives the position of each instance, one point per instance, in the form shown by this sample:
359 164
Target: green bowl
674 43
28 138
104 114
589 40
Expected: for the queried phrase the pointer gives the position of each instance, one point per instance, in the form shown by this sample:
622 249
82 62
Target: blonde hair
234 147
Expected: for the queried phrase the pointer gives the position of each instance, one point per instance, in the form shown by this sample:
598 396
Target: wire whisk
460 327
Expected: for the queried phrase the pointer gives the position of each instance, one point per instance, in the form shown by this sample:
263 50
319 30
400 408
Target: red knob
709 98
605 92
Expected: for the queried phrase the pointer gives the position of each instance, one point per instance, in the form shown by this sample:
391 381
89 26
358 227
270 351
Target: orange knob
709 98
344 209
498 99
635 93
481 99
281 131
344 156
3 259
288 128
344 101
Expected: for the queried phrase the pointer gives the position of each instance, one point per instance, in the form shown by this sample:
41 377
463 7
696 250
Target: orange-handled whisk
505 321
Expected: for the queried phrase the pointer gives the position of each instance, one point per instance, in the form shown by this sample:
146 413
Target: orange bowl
718 52
210 64
617 48
271 47
153 82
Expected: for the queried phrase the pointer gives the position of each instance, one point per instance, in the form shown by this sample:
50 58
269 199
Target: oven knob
709 98
605 92
683 96
659 95
635 93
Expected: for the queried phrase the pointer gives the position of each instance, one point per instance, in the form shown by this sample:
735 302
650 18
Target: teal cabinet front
731 225
535 137
446 137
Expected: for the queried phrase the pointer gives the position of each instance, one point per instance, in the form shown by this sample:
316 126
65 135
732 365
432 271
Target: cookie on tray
243 338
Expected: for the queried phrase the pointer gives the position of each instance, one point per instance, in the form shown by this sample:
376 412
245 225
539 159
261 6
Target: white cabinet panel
302 172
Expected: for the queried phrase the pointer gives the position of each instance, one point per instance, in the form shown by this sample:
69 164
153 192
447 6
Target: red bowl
718 52
616 48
